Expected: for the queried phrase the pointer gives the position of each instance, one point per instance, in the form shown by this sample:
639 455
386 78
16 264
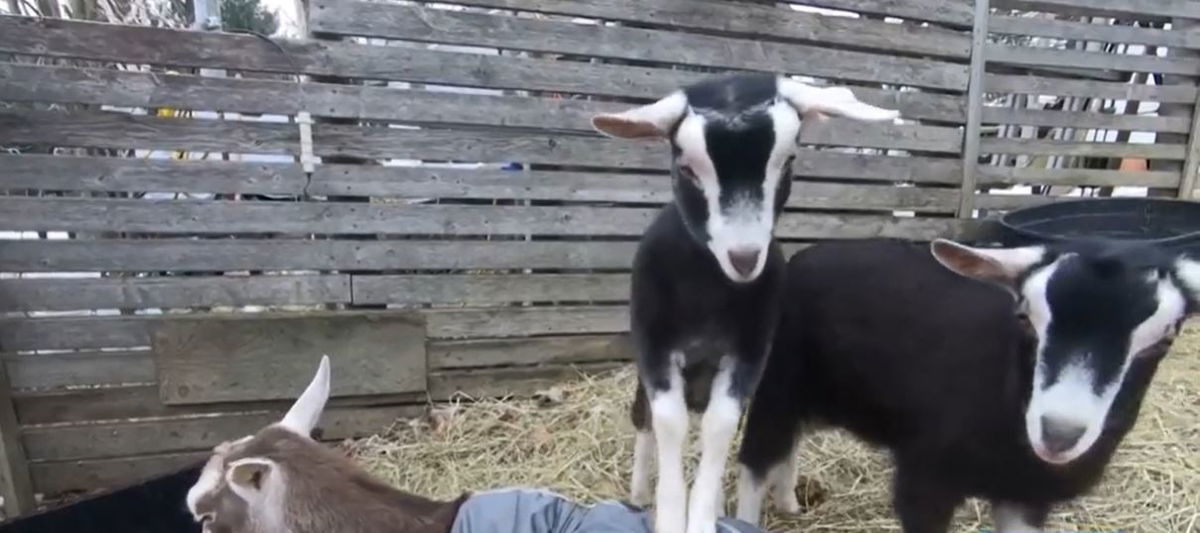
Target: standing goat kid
1009 374
708 274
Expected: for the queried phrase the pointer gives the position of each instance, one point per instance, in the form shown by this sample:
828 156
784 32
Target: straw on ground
576 439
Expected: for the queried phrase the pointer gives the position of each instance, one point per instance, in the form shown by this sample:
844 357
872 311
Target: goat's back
893 346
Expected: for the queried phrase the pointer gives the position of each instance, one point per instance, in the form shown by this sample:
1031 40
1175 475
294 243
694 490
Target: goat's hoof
641 498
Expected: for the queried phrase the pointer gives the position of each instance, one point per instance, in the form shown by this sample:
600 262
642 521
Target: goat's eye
687 172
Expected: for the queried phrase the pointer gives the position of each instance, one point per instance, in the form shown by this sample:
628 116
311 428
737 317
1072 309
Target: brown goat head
280 480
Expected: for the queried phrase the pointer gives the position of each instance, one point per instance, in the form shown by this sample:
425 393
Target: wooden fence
172 271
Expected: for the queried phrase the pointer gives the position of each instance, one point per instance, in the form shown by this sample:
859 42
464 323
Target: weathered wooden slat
1046 57
970 144
140 44
471 290
142 293
508 381
135 331
754 21
421 24
1009 202
16 485
955 12
525 321
62 173
1112 33
1070 119
84 369
123 403
257 254
80 476
423 182
1099 149
254 358
1137 8
827 164
875 135
1176 94
445 355
123 130
169 217
101 441
1076 176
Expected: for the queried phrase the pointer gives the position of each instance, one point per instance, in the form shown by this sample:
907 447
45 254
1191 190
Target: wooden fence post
15 484
970 145
1187 180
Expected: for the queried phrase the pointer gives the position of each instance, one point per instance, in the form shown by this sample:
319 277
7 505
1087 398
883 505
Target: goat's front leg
1019 518
717 429
669 421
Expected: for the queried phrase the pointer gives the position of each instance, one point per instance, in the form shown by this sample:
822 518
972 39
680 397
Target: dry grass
577 440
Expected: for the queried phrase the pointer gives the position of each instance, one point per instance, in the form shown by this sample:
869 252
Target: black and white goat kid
708 274
908 350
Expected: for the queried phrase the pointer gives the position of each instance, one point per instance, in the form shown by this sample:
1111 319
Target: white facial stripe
745 224
1072 398
210 479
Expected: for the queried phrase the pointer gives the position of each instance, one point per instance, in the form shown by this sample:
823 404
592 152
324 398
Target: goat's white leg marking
750 496
669 418
1011 518
717 428
640 492
783 482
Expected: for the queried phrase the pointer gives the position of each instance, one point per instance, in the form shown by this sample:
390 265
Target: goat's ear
813 101
995 265
306 412
247 477
1187 271
650 120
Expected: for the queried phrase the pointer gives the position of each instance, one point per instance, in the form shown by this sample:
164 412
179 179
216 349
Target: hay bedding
576 439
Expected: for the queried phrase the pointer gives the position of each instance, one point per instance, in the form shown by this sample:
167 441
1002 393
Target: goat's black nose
1060 435
744 260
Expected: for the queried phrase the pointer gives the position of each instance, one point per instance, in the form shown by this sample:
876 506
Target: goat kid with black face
708 273
280 480
1017 390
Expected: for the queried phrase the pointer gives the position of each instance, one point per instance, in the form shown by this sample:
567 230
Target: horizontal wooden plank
122 130
57 478
508 381
424 182
954 12
172 217
468 290
755 21
262 254
1136 8
1070 119
414 23
989 175
1097 149
1046 57
135 331
122 403
827 164
140 44
271 357
166 292
84 369
1104 32
841 132
64 173
1174 94
100 441
1009 202
530 351
526 321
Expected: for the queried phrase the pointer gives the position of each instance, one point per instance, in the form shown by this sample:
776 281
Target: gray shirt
516 510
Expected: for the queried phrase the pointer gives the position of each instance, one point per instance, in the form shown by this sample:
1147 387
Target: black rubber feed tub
1168 223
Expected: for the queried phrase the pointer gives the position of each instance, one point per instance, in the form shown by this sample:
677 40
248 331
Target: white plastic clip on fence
307 160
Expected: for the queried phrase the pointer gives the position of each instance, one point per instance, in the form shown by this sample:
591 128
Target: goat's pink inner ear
966 262
625 127
249 473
